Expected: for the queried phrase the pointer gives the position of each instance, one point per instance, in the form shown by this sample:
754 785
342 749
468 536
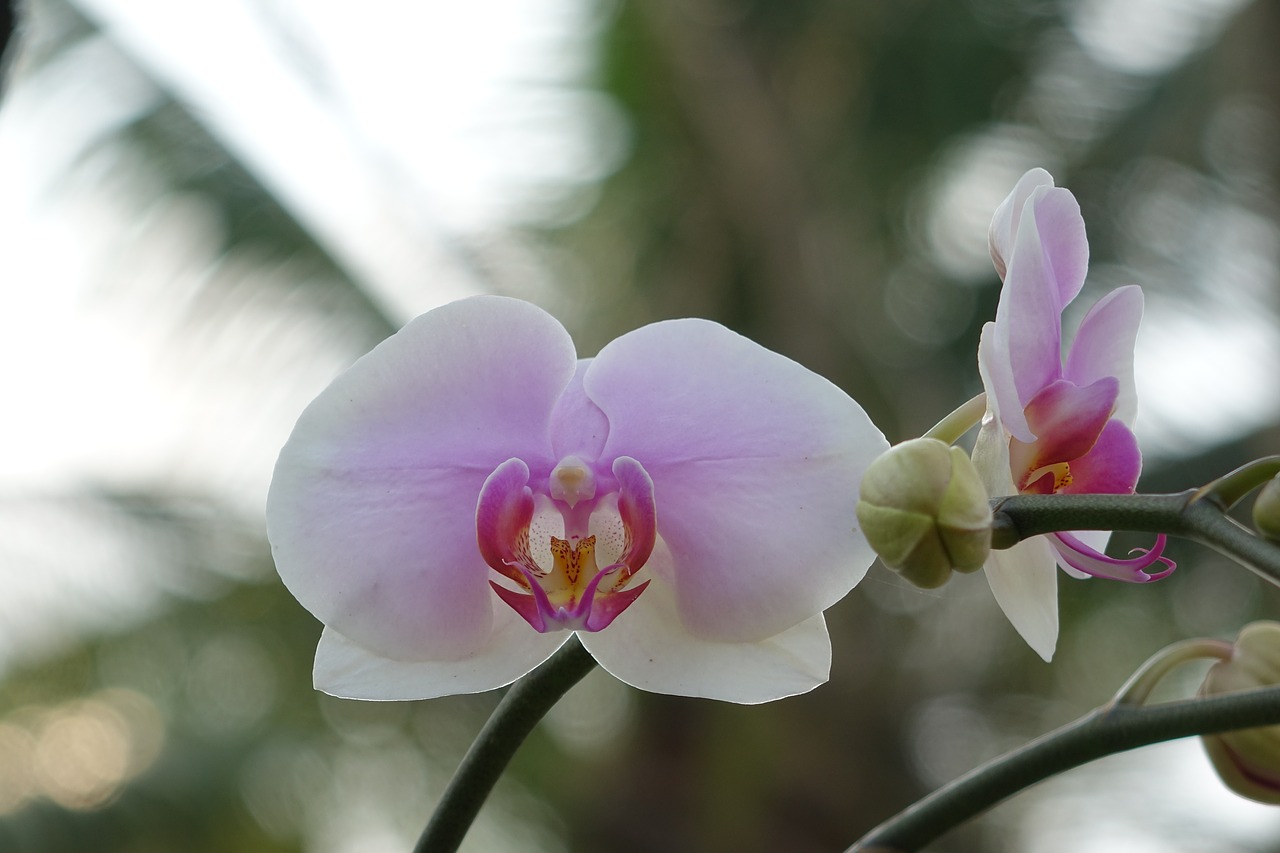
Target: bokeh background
208 208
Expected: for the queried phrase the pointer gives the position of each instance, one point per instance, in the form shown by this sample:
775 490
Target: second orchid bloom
1055 425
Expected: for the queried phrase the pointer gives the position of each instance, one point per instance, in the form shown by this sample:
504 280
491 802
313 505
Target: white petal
991 455
345 669
648 647
1024 579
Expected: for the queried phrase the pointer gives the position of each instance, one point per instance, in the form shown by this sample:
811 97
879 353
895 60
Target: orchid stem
527 702
1203 520
1230 489
1138 688
956 424
1103 731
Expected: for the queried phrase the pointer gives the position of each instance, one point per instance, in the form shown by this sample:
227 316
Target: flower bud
1248 761
925 511
1266 510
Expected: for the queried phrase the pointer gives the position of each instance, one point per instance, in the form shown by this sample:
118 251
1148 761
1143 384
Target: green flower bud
1266 510
1248 761
925 511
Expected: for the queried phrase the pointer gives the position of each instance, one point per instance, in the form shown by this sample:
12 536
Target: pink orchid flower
470 493
1052 427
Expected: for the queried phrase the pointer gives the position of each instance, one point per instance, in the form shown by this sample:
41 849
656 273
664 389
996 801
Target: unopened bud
924 509
1266 510
1248 761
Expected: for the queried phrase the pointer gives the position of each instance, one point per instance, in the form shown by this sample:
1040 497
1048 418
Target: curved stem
1101 732
1204 521
956 424
1230 489
525 704
1138 688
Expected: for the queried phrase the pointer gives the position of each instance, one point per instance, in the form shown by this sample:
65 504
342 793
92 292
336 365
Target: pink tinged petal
578 427
1063 240
1046 269
1104 347
1067 421
1083 558
649 647
752 458
346 669
1112 465
1004 224
371 512
1024 581
996 371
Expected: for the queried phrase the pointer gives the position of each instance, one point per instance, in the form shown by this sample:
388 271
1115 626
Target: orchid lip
1081 557
559 586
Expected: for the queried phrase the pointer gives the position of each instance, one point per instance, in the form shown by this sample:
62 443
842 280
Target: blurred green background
208 209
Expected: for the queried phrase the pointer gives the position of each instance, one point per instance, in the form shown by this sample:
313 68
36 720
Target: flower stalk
1104 731
1124 723
1137 690
964 418
1231 488
527 702
1205 521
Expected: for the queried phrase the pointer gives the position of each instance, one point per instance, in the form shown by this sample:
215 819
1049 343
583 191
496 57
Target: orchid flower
1052 427
469 494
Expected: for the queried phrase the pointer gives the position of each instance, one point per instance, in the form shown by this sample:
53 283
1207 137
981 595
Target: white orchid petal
348 670
1024 580
649 647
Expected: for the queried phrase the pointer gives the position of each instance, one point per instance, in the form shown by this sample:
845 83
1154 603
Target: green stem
525 704
956 424
1104 731
1230 489
1138 688
1202 520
